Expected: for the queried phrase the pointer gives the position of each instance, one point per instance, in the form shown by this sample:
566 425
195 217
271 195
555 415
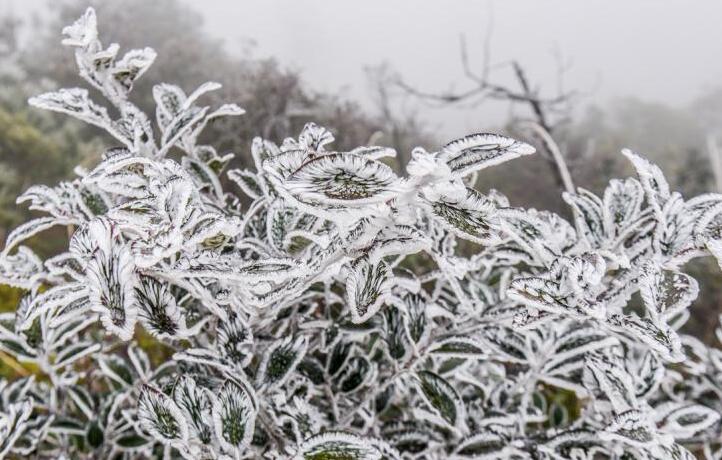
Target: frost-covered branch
324 306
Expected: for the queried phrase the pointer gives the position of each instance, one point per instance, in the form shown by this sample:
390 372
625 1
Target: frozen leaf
588 215
132 66
234 417
631 428
22 269
355 374
235 340
50 301
467 214
367 287
343 179
314 137
683 421
158 310
76 103
83 32
29 229
247 181
441 397
545 295
613 382
111 282
458 347
622 205
659 337
232 269
13 423
653 181
335 445
484 445
666 293
374 152
195 406
161 417
479 151
280 360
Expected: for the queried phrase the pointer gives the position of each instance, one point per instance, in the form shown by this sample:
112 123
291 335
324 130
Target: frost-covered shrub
331 313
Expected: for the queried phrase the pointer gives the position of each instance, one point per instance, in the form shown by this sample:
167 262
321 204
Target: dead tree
547 113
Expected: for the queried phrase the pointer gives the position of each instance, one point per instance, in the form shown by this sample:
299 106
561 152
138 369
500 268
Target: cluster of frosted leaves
321 306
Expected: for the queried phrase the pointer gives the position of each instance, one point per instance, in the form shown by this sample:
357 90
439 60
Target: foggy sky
666 51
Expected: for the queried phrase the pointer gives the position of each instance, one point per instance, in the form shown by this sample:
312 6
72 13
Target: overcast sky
665 51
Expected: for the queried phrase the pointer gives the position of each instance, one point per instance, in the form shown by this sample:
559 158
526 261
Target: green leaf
357 372
280 360
95 435
441 397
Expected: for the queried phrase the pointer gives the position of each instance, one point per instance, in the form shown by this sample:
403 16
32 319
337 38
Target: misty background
597 75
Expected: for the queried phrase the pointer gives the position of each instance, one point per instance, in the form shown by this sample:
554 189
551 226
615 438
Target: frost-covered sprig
326 308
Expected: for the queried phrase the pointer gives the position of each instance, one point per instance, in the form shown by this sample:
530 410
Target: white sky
657 50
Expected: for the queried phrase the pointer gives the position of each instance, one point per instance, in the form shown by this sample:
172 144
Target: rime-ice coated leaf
528 344
132 65
111 281
622 204
484 445
335 445
234 417
666 293
683 420
458 347
441 397
659 337
374 152
631 428
467 214
579 273
313 137
653 181
342 179
545 295
50 301
232 269
29 229
75 102
83 31
22 269
280 359
182 124
367 288
589 215
158 310
613 382
234 340
398 240
356 373
478 151
13 422
195 406
247 181
161 417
